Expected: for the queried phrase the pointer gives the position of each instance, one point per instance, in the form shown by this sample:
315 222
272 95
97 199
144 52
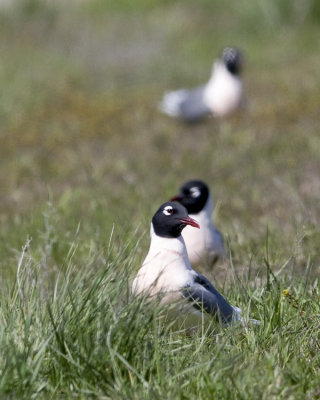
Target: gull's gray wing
205 296
192 106
217 248
186 104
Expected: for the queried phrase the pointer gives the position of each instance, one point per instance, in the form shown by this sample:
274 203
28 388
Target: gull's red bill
190 221
176 198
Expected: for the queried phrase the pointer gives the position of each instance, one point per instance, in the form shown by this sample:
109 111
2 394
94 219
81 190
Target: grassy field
86 159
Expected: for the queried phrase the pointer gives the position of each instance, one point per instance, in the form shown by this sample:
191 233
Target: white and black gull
220 96
204 246
166 272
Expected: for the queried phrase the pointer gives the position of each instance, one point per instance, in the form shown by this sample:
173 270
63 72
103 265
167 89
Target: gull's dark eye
168 210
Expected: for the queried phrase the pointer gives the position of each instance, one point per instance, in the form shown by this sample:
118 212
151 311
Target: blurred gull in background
220 96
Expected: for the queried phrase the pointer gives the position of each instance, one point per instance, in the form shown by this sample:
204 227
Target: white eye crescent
195 192
168 210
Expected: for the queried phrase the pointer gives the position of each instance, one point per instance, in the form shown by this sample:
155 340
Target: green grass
80 334
86 159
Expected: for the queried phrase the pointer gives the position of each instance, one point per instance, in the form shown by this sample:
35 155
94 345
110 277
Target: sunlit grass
82 333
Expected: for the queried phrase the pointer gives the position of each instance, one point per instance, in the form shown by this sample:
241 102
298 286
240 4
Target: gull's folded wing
205 296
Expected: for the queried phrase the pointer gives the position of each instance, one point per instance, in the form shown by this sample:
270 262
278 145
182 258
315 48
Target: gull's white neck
223 91
220 71
159 243
166 268
205 213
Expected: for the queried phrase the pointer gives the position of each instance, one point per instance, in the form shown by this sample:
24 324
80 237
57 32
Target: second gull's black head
170 219
233 60
193 195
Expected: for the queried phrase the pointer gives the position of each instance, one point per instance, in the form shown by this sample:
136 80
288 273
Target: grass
86 159
78 335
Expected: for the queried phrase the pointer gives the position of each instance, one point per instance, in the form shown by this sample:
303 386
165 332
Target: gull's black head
233 60
193 195
170 219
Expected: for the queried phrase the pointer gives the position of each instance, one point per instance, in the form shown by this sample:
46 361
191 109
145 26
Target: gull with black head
166 271
220 96
205 246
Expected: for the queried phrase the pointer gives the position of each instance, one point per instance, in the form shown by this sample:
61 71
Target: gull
220 96
166 273
204 246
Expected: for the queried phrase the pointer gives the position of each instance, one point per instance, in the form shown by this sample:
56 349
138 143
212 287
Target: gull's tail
171 102
238 316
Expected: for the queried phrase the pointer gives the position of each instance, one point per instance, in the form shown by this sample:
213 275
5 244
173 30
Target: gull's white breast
223 92
165 269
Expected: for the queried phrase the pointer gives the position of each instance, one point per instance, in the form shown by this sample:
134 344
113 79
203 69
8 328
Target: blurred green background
84 148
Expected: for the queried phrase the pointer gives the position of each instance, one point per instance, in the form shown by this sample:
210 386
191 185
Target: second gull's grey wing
193 107
188 105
